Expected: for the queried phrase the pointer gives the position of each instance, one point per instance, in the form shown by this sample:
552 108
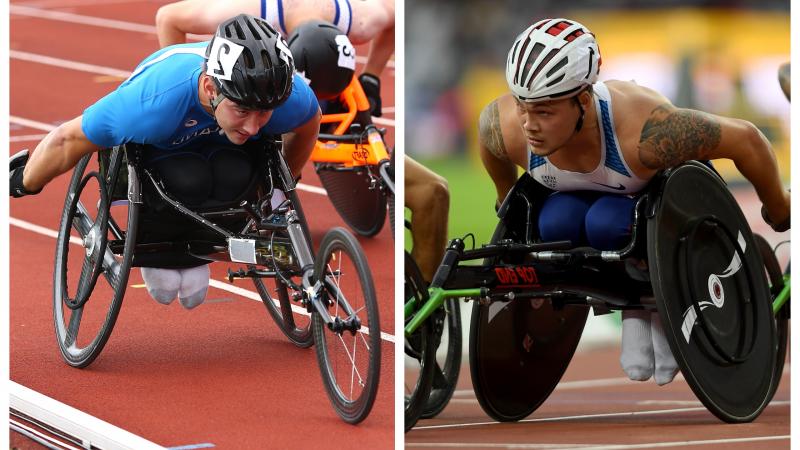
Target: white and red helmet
552 59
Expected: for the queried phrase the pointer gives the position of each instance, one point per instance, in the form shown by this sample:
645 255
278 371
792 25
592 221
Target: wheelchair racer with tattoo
597 144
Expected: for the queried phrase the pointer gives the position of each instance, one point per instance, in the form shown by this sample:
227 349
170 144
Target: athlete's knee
608 222
187 177
561 216
165 16
432 195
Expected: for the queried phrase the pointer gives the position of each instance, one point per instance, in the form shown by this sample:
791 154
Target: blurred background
717 56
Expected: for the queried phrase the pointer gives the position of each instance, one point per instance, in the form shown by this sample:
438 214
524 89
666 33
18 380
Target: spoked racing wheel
93 260
349 346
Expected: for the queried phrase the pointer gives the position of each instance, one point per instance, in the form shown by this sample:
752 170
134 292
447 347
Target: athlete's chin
237 138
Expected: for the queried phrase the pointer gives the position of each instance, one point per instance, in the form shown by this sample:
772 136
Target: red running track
221 374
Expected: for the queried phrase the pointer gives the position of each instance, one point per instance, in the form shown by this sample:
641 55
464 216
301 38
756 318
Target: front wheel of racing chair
349 348
775 276
420 348
519 353
293 321
447 358
93 256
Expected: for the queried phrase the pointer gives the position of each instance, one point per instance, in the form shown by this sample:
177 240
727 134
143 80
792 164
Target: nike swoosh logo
617 188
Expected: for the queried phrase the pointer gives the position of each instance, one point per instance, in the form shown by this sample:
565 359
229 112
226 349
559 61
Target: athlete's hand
17 166
782 225
372 88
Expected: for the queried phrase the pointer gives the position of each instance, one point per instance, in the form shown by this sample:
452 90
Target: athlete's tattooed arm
671 136
494 154
491 135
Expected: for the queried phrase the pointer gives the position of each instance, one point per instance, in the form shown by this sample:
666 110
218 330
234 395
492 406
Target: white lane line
109 71
49 127
68 64
582 417
213 283
41 13
31 123
26 137
74 422
594 446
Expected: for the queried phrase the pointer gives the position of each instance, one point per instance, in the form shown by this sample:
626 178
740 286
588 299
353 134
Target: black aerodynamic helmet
250 63
324 56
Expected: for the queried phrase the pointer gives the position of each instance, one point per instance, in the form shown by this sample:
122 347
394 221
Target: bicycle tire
336 246
420 347
445 376
357 199
69 322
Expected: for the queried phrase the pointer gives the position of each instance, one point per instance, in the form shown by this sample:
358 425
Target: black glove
372 88
17 166
779 227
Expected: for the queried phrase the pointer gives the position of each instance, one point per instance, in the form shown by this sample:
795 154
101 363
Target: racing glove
372 88
779 227
17 166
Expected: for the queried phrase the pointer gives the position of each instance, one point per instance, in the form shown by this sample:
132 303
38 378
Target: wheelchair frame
278 241
549 271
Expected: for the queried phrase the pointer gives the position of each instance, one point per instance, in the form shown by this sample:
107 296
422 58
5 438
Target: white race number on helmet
552 59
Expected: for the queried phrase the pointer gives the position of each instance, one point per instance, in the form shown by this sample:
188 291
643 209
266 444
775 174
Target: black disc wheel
348 345
93 260
420 349
283 303
357 196
519 350
775 276
447 329
712 294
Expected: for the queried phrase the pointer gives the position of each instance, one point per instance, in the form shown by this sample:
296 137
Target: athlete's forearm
428 198
757 162
167 26
57 153
380 50
299 145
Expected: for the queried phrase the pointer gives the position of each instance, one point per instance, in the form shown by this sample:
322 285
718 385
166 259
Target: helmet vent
560 64
541 65
253 31
555 81
239 31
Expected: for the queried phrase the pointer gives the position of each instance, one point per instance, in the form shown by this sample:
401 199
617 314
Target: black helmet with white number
250 64
324 56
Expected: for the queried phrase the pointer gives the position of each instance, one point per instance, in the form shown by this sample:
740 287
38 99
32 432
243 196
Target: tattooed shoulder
671 136
490 131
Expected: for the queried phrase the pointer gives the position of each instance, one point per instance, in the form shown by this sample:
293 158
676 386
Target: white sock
162 284
194 286
637 345
278 197
666 366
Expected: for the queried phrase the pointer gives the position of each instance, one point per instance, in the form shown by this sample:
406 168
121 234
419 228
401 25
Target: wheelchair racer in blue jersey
182 100
597 144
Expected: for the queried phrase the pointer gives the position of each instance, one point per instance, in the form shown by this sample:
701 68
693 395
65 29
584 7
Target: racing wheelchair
353 163
717 287
122 216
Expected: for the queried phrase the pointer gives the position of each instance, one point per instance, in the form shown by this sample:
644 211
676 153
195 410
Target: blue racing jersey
159 105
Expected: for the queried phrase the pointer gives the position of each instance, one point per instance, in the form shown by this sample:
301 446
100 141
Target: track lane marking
40 13
595 446
584 416
212 282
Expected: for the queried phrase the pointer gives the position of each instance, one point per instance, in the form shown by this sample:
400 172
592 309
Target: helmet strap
579 123
214 102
